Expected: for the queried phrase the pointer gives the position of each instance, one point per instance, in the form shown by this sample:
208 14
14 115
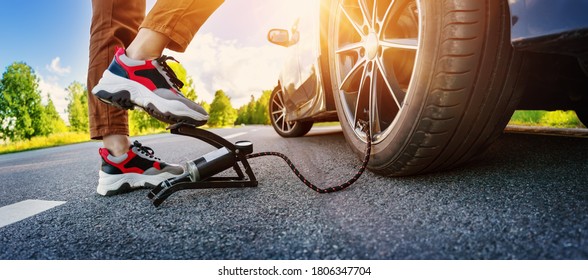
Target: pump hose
312 186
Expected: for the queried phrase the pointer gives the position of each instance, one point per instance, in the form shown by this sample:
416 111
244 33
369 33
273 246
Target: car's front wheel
278 119
436 80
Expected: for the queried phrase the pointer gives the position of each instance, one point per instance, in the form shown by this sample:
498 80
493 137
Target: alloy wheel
376 45
278 113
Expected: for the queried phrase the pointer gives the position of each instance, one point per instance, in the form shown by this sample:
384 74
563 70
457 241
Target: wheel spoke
374 13
365 13
401 43
280 120
355 47
360 91
283 123
374 114
355 25
391 83
281 101
278 104
347 82
385 17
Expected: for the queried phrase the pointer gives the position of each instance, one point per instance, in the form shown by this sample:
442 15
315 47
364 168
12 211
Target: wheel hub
371 45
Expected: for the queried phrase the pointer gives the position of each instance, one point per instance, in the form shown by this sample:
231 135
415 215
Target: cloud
240 71
56 68
56 92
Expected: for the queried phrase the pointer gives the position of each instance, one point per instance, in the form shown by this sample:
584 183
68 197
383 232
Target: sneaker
151 85
133 170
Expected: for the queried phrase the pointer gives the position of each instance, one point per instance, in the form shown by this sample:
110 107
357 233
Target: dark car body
550 26
555 34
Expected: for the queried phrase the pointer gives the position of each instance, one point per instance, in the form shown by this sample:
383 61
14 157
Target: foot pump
200 173
216 161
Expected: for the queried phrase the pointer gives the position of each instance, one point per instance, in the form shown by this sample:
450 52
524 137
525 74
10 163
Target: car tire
436 80
278 117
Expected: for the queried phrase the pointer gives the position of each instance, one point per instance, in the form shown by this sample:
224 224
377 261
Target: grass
326 124
560 119
40 142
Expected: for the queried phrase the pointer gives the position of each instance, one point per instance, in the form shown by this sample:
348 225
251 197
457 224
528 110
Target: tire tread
446 136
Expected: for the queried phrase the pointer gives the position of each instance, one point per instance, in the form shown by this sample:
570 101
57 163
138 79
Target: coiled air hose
314 187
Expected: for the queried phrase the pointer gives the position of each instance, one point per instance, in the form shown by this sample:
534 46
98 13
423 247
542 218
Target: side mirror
280 37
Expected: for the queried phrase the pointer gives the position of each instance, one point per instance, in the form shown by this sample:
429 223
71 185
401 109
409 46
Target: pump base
244 179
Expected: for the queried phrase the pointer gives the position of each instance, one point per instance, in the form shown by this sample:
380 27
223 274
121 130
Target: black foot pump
200 173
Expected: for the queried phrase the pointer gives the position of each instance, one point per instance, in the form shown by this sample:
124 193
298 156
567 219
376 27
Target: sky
230 51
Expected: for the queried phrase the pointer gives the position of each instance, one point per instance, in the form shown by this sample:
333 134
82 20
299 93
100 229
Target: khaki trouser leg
116 23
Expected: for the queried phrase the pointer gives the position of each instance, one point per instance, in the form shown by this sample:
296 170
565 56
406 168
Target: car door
303 89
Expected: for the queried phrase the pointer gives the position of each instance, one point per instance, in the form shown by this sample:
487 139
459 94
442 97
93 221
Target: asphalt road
526 199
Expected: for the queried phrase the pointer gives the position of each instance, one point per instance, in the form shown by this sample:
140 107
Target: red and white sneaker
133 170
151 85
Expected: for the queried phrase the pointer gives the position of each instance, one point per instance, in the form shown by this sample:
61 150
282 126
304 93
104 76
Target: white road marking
19 211
234 135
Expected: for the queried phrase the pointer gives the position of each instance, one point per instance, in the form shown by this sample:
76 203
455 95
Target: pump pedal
201 172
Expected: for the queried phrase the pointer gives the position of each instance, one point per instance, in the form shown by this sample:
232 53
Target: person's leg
170 24
117 144
114 24
136 79
147 45
179 20
125 166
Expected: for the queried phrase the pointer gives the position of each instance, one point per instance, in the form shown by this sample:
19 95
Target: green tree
77 108
221 111
241 115
140 121
261 114
188 89
244 113
54 122
205 105
256 111
21 111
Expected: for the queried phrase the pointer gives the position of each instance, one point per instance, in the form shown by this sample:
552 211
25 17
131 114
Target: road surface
526 199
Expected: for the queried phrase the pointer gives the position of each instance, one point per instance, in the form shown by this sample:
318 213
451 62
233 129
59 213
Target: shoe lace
145 150
176 83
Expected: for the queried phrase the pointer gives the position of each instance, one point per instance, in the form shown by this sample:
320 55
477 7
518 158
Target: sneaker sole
127 94
109 185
